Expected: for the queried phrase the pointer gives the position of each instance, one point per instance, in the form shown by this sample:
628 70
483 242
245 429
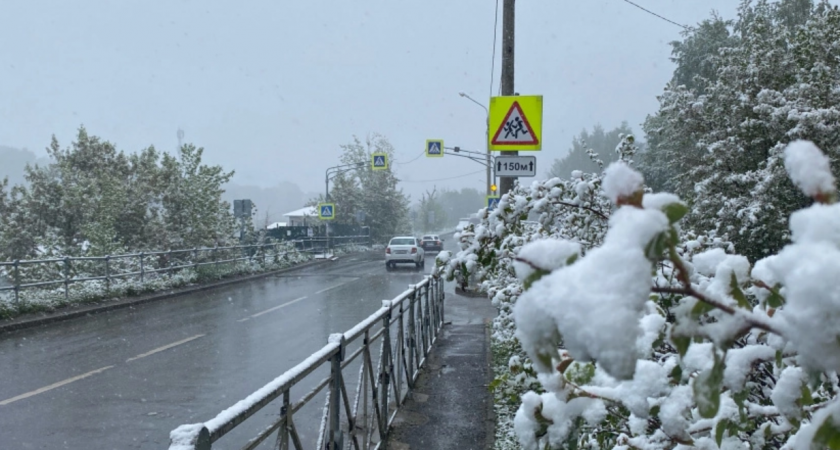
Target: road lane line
165 347
273 309
53 386
336 286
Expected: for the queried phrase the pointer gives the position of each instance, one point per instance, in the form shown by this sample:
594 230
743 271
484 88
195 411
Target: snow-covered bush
570 209
649 337
706 353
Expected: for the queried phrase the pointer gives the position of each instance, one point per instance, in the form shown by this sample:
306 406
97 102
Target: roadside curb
470 293
75 311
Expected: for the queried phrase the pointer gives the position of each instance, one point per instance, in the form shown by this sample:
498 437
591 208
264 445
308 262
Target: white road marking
165 347
273 309
336 286
53 386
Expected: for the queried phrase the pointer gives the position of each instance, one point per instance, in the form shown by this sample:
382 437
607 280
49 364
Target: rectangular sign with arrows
515 166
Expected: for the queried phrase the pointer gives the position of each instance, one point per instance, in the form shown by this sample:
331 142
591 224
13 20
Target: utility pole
508 22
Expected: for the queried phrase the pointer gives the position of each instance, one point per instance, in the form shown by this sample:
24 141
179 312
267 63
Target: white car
404 249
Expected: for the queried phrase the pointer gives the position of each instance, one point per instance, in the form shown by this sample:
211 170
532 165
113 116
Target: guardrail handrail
62 270
418 314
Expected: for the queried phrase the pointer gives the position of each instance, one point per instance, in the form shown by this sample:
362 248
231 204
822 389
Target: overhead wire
442 179
415 159
657 15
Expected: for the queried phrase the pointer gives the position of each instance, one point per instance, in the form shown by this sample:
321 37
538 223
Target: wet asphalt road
125 379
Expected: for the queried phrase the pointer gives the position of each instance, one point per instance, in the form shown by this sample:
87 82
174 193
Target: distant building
302 217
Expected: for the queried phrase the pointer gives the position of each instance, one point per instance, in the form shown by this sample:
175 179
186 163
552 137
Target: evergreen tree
601 143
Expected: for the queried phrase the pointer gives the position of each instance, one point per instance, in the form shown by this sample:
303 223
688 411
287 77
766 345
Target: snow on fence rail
407 328
54 272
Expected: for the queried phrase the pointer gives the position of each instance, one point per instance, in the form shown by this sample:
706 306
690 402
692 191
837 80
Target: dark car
431 242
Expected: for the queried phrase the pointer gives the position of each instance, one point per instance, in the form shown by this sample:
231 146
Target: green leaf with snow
707 388
775 299
827 435
580 373
738 294
675 211
533 277
657 246
720 429
680 342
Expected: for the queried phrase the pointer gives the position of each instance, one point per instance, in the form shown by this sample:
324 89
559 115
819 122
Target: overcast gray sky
271 88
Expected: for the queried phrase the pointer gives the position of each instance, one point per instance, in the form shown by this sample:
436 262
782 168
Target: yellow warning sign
516 123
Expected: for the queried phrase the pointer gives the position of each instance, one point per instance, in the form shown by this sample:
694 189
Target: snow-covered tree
717 143
91 199
598 141
430 213
385 205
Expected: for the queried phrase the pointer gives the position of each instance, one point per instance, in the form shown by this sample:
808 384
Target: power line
493 64
657 15
442 179
415 159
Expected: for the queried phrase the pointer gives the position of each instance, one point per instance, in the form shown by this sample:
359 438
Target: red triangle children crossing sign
515 123
515 129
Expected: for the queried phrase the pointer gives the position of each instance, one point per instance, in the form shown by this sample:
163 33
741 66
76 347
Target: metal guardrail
406 327
140 265
323 244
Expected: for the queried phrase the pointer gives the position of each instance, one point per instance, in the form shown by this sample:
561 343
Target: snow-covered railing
406 327
53 272
322 244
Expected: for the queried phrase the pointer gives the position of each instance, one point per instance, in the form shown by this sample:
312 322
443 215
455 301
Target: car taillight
413 250
388 250
437 242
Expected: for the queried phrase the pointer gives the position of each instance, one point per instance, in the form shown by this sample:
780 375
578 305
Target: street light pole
486 139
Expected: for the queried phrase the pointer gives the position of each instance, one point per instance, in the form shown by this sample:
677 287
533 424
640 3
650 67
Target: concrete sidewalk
451 406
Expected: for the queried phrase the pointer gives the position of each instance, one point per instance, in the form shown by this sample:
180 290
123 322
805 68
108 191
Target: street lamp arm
474 101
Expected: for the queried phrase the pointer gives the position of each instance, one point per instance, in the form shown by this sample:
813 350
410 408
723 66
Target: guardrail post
17 279
107 273
283 431
169 263
336 440
400 354
142 270
412 338
66 278
441 298
195 260
215 257
384 376
427 322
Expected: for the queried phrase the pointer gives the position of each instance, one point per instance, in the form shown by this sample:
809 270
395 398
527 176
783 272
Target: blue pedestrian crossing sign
379 161
492 202
326 211
434 148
